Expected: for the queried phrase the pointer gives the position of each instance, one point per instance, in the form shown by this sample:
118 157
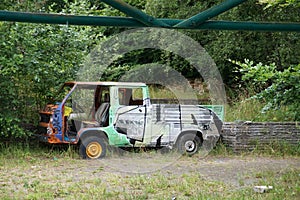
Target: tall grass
277 148
250 109
273 149
33 151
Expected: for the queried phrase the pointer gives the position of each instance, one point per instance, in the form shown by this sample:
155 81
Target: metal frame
138 18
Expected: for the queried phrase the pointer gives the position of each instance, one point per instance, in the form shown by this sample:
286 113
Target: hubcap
93 150
189 146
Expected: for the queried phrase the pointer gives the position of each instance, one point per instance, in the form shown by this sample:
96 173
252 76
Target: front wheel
189 144
92 148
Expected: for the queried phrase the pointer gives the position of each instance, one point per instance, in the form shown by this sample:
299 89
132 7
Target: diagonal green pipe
135 13
198 19
130 22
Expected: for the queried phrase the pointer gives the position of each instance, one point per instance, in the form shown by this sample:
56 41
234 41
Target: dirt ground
233 170
237 171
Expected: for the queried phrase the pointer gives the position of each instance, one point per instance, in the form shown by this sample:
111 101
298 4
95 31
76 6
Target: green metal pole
239 26
68 19
135 13
200 18
130 22
249 26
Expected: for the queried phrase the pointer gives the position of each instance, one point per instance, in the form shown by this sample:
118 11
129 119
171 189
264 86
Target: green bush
10 128
277 88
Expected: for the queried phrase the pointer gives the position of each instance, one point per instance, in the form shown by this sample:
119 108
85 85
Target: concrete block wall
247 135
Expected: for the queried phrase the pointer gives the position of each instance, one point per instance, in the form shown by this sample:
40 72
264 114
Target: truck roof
107 83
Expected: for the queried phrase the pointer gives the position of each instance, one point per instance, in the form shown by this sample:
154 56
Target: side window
130 96
105 95
101 96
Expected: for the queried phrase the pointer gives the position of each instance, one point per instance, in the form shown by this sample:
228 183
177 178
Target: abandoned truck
97 114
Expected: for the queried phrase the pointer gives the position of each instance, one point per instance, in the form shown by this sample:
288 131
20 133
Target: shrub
276 88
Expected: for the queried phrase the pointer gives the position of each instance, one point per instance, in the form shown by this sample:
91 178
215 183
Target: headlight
51 119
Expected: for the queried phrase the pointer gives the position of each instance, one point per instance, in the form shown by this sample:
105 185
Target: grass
33 152
247 109
274 149
38 172
156 186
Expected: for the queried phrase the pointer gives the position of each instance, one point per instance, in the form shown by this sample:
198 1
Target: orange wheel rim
93 150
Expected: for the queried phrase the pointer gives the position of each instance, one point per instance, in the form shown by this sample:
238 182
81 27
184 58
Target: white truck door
131 114
131 121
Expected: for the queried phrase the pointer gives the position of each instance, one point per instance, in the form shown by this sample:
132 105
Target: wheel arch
96 133
196 132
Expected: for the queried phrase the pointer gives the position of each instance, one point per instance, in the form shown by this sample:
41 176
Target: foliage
35 60
245 108
10 128
277 88
270 3
267 47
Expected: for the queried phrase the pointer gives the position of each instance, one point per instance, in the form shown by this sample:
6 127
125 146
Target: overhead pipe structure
209 13
138 18
135 13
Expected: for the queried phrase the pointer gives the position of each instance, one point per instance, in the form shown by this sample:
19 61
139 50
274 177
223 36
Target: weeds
252 110
42 177
51 172
222 150
186 186
277 148
32 153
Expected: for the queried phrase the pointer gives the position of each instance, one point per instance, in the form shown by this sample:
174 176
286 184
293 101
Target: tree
35 60
267 47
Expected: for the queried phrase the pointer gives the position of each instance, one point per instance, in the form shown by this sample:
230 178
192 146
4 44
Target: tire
92 148
189 144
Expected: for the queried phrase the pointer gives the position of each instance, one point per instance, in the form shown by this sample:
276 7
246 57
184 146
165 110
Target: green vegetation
273 149
280 3
32 172
252 109
280 90
157 187
277 148
36 59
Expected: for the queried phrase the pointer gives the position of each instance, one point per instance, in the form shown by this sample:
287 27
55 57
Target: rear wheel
92 148
189 144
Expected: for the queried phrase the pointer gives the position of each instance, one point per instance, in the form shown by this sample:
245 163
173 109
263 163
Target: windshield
82 101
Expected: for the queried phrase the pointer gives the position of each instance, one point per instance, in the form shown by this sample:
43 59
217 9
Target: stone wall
247 135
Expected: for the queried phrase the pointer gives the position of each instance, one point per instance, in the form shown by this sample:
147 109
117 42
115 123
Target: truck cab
97 114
